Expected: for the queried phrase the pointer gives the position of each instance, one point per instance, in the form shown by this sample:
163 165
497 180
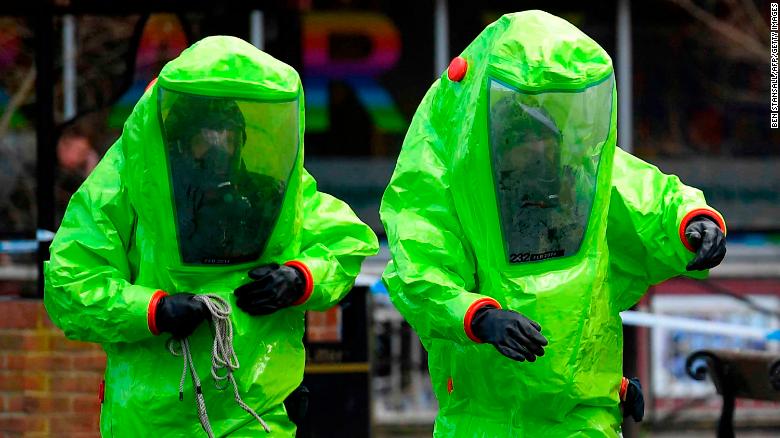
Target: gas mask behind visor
545 148
229 163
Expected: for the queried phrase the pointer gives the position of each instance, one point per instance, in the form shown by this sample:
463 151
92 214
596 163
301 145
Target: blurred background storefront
693 85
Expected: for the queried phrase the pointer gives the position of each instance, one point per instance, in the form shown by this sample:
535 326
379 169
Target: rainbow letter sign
360 74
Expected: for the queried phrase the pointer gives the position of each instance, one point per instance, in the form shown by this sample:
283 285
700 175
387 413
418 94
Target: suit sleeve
88 285
648 214
334 244
431 274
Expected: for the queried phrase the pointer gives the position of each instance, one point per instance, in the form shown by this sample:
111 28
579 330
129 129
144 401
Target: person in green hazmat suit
518 232
204 193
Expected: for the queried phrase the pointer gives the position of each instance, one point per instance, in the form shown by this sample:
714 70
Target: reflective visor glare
545 150
229 164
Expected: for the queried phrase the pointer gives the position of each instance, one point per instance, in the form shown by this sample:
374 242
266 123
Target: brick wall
48 384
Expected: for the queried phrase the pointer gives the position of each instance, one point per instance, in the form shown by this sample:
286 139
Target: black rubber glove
513 335
274 287
634 404
706 237
180 314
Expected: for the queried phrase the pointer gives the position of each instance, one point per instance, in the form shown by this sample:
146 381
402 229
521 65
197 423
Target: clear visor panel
229 163
545 150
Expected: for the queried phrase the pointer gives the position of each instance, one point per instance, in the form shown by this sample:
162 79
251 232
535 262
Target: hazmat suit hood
539 142
214 159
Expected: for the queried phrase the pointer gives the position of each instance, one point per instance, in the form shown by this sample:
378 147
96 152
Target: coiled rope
223 357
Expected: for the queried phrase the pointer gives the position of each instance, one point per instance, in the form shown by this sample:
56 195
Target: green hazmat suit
509 191
131 230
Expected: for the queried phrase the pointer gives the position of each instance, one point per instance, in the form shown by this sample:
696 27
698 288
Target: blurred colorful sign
10 50
324 326
162 40
360 73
